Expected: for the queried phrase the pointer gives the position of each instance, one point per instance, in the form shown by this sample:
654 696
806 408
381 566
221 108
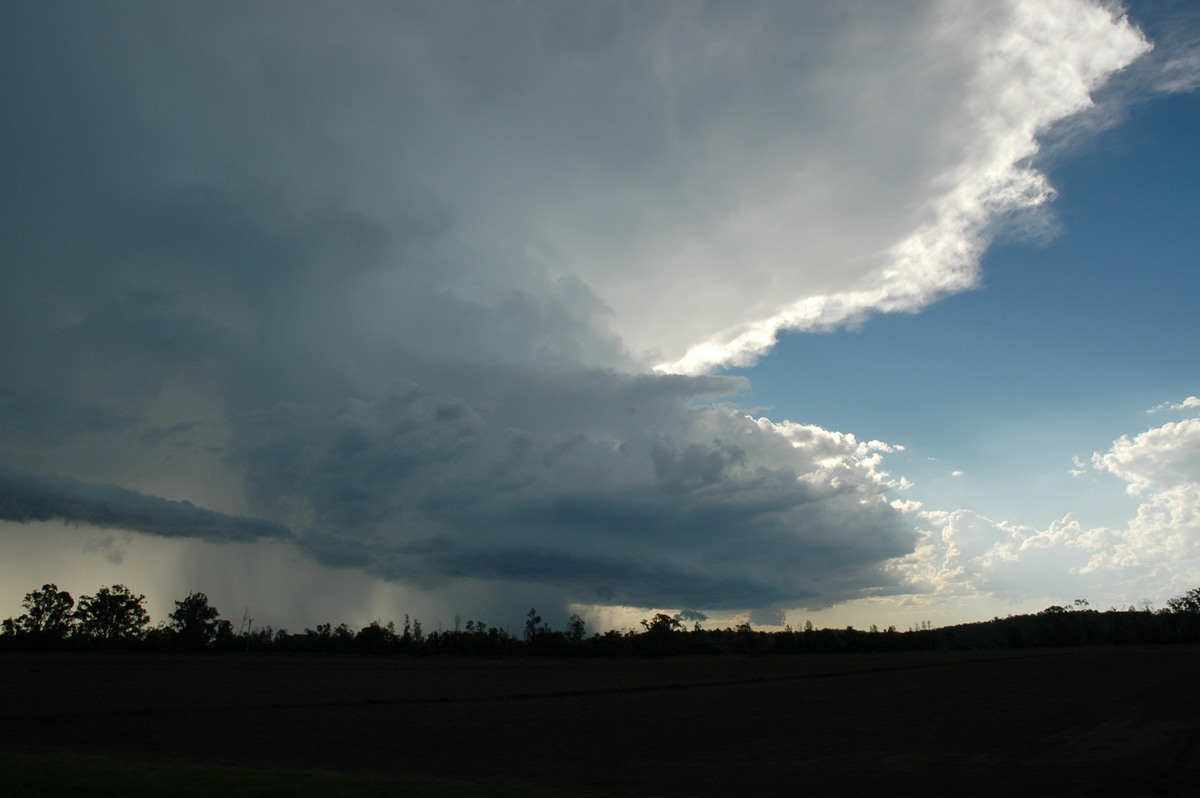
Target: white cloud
1160 458
1157 552
997 79
1187 404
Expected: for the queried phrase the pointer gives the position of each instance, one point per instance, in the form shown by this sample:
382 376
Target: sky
858 313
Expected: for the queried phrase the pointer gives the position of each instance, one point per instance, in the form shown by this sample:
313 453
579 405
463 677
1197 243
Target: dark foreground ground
1077 722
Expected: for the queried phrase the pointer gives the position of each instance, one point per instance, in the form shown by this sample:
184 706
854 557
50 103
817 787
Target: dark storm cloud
26 497
391 275
603 488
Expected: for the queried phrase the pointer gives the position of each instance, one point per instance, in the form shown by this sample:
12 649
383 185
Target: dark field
1075 722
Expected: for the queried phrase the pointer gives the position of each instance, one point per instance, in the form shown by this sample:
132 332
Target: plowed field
1077 722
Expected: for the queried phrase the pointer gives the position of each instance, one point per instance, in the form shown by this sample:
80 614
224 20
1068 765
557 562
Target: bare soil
1121 722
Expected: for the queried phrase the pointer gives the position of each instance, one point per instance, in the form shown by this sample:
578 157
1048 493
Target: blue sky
1062 348
770 310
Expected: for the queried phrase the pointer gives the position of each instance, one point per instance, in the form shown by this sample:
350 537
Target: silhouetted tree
226 638
375 638
1189 602
534 626
195 621
662 623
575 629
48 616
1181 616
112 614
658 638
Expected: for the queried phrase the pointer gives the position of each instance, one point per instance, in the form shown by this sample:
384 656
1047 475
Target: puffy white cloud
1186 404
1156 553
1161 458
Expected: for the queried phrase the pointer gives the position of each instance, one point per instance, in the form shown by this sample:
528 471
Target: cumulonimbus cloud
657 503
394 276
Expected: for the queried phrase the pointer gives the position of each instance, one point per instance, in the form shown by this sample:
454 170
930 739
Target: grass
76 775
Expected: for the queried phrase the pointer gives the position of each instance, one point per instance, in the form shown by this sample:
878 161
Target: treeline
116 618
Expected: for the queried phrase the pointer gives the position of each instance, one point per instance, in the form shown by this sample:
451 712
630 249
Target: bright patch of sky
1061 349
745 309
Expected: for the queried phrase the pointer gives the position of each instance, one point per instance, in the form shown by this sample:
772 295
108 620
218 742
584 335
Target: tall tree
48 613
534 627
195 621
112 614
575 629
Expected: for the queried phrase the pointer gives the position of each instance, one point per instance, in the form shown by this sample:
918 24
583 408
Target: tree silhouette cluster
114 617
